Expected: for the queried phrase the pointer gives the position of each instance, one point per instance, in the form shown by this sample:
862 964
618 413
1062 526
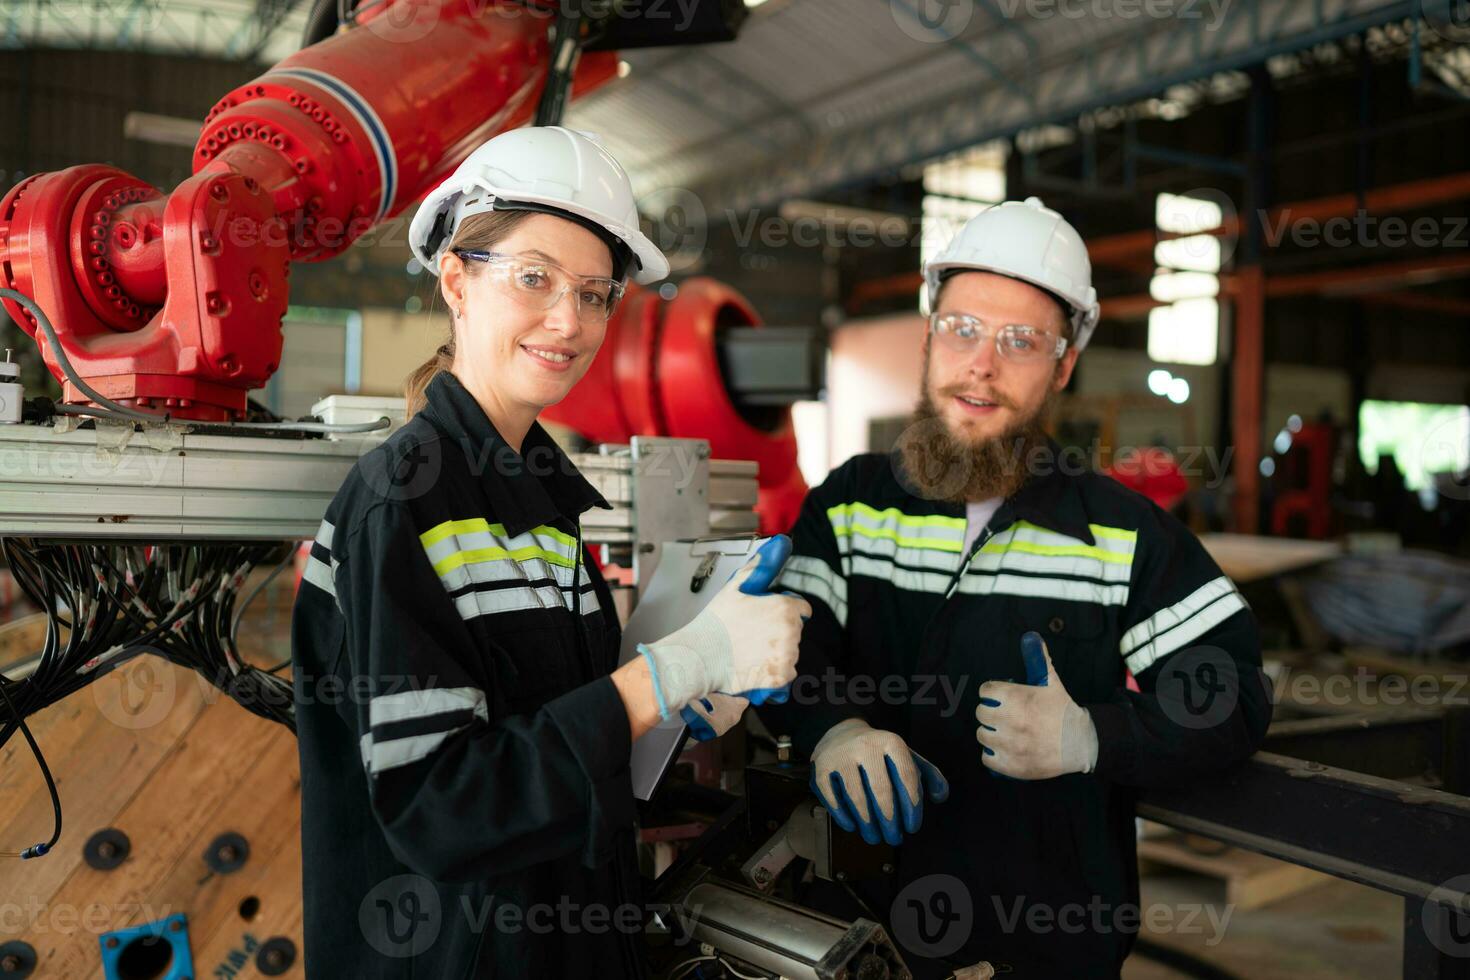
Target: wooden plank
22 638
124 736
1245 557
193 796
265 809
1251 880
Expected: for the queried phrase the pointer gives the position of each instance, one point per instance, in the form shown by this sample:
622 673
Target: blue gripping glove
1034 730
895 781
1033 655
1036 676
740 643
770 559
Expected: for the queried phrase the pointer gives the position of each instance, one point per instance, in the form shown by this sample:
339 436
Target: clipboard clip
704 571
712 557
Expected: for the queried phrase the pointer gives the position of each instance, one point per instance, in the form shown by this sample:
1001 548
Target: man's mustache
952 391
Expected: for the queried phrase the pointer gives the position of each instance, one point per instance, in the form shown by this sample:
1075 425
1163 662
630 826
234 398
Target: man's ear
1064 369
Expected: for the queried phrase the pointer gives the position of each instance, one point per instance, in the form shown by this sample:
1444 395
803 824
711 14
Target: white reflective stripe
589 602
922 558
421 703
504 570
382 754
1171 616
324 535
319 574
1045 588
473 604
816 578
991 561
903 578
1181 635
377 757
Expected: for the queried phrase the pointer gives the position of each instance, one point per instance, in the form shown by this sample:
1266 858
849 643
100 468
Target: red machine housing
176 301
658 373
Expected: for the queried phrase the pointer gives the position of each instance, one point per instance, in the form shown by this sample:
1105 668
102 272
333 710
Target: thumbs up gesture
1034 730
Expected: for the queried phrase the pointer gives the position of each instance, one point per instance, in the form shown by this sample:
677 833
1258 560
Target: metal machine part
782 812
805 834
107 849
153 949
772 367
185 482
784 939
684 368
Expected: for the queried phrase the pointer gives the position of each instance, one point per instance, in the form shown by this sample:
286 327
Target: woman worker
467 809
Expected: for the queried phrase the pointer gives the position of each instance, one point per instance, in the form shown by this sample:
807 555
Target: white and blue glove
872 782
744 642
1034 730
713 715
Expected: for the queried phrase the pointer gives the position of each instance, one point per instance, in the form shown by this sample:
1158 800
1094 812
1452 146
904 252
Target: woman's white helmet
1028 241
536 168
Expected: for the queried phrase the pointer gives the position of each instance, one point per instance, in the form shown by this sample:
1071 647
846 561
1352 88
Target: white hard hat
1028 241
539 168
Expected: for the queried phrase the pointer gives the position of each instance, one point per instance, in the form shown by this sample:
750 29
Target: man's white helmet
1028 241
536 168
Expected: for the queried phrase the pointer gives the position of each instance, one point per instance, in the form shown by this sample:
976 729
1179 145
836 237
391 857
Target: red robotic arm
176 301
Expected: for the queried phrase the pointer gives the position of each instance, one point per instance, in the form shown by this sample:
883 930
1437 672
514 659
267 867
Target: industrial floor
1337 930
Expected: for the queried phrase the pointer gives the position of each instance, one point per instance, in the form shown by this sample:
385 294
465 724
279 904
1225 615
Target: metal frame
1408 838
198 28
1132 65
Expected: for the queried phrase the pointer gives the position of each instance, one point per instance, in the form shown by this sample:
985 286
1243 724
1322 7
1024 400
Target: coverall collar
1050 498
528 488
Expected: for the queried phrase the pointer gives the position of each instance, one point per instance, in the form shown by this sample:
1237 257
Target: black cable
35 850
321 22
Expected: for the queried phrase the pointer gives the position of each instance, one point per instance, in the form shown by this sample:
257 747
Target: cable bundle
109 602
117 601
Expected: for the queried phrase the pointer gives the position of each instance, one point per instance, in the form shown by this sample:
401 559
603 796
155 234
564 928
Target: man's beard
936 465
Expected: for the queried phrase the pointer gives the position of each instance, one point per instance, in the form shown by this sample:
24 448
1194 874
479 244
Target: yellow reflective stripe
894 514
930 544
472 525
469 526
1116 545
932 532
549 544
475 555
551 532
1058 550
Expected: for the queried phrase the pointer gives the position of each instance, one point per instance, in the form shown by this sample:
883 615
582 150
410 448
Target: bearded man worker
980 556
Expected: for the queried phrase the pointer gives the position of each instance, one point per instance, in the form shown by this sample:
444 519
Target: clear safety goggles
539 285
964 334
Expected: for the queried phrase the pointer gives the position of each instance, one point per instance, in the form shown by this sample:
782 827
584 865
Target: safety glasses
964 334
538 284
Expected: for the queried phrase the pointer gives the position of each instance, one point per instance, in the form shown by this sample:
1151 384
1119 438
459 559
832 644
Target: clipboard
689 574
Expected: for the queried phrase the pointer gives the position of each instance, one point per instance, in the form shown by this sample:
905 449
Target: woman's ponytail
413 388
